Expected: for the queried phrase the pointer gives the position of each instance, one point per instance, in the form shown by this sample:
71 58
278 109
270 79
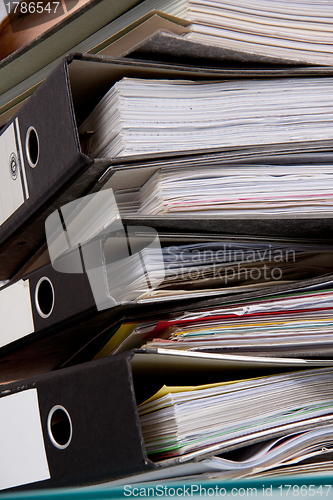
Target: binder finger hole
32 147
59 427
44 297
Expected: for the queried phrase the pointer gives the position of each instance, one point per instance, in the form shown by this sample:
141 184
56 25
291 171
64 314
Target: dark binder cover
46 167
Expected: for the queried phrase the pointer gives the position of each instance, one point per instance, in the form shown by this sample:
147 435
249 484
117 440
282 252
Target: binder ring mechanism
59 427
32 146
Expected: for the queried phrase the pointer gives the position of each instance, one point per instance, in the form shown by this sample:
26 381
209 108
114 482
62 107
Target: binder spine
100 437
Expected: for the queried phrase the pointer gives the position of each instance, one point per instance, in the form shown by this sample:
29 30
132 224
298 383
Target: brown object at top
18 29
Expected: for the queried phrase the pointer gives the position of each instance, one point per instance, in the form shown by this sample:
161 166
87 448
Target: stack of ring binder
166 257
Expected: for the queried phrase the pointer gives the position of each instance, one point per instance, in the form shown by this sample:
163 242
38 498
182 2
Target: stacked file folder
248 191
294 324
184 420
166 259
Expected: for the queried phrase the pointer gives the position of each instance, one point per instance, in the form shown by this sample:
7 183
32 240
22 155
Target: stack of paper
140 116
243 191
308 450
182 420
300 30
296 324
215 265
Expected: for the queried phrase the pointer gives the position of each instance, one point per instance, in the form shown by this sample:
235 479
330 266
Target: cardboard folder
80 425
43 163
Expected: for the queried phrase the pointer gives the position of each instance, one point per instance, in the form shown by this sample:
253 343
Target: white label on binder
15 312
11 187
22 452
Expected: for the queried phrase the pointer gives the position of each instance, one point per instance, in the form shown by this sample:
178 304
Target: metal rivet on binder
13 163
